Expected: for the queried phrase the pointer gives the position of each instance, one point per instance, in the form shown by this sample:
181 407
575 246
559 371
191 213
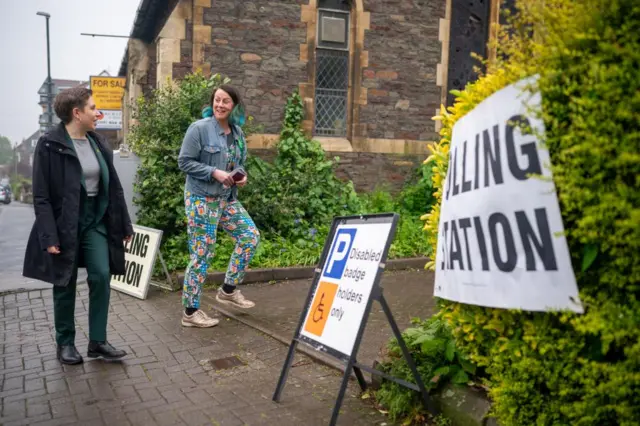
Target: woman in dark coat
81 221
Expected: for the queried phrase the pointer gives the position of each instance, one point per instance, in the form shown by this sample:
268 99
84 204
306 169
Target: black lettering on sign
132 275
535 237
139 245
509 264
466 184
456 251
492 157
476 177
542 241
145 245
449 168
482 243
445 265
528 149
464 224
456 187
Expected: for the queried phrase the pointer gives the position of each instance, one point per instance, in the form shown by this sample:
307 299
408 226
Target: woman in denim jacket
213 154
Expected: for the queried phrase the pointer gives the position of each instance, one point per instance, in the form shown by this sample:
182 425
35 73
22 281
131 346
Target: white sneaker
198 319
236 299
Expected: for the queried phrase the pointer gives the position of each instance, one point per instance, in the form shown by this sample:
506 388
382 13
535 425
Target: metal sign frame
350 361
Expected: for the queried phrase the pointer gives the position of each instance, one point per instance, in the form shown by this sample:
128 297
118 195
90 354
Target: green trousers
94 249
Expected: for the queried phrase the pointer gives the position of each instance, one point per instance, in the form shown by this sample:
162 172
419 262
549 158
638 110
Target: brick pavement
278 305
167 379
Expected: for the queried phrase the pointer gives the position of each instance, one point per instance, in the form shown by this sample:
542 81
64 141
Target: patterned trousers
203 215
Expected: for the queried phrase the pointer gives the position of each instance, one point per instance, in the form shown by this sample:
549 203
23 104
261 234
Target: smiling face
222 105
88 116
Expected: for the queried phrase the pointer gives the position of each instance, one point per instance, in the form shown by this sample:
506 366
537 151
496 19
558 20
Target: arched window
332 68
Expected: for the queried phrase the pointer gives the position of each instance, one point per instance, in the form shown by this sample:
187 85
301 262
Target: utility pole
49 81
15 161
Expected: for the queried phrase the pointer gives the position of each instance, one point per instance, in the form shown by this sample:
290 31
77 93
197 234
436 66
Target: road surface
16 220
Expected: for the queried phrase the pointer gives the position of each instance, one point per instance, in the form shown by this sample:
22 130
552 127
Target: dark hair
68 99
233 93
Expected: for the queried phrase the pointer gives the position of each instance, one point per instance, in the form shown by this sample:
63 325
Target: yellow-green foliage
563 368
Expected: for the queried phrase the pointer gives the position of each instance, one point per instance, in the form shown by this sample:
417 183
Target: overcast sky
23 51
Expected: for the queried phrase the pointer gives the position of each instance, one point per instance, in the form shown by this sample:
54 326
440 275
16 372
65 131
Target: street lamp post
49 82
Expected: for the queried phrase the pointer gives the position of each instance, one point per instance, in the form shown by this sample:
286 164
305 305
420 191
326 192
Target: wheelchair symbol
319 309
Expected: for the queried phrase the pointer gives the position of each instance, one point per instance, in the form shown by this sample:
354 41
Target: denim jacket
203 151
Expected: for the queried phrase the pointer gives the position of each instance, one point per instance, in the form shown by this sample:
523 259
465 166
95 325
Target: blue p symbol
337 260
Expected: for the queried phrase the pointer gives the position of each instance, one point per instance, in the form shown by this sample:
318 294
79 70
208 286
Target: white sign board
344 287
140 257
112 120
501 240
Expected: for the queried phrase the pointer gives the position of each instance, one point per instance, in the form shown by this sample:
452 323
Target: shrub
299 190
418 195
434 351
563 368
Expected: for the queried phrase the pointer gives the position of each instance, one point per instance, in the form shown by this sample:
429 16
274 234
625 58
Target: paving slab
171 376
278 306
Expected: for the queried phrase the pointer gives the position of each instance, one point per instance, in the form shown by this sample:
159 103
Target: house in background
24 152
58 85
371 73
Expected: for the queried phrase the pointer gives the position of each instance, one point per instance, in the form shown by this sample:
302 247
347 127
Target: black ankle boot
68 354
104 350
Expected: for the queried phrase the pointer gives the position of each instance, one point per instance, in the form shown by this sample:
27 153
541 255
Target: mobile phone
238 175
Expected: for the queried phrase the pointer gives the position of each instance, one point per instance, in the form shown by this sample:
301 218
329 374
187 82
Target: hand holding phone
238 175
240 178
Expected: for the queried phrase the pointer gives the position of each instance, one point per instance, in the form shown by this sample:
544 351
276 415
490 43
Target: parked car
5 194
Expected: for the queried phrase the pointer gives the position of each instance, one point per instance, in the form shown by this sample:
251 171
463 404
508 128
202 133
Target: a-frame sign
345 284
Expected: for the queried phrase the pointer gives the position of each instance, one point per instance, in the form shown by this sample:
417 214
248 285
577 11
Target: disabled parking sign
344 286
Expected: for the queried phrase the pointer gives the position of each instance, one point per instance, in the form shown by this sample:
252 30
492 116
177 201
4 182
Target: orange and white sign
321 308
348 275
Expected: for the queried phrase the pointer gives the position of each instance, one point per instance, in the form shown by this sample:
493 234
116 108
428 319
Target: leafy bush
18 184
418 196
433 348
409 241
300 189
563 368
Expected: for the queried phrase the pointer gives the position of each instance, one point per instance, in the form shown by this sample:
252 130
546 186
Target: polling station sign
501 239
140 257
107 91
343 287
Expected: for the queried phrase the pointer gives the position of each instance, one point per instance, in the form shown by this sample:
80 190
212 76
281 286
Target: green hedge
563 368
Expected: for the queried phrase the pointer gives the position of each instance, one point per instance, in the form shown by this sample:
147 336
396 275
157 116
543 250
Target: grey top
90 165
